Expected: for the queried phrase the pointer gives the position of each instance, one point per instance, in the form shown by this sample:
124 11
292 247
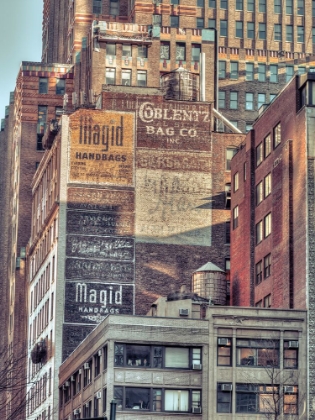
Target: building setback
272 209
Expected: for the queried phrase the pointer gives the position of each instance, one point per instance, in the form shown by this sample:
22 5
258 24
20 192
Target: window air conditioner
184 312
72 379
87 405
86 366
67 384
196 410
76 411
223 341
197 366
80 371
99 395
226 387
288 389
293 344
99 353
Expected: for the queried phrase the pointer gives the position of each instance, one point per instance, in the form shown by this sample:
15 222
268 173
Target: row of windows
38 394
126 77
263 228
262 6
257 353
263 269
113 7
257 398
60 86
41 320
264 148
250 102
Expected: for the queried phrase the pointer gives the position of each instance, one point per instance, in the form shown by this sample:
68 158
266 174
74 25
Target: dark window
227 232
224 397
43 85
104 399
97 7
224 351
105 357
259 272
222 69
174 1
174 21
164 50
114 7
251 398
234 70
97 402
313 35
87 409
290 354
267 266
41 125
255 352
97 363
223 27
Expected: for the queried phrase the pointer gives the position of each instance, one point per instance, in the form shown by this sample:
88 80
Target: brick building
218 363
129 200
272 209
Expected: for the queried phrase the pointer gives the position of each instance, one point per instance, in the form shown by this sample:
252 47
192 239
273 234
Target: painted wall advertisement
101 147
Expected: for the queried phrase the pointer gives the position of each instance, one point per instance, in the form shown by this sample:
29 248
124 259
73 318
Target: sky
20 40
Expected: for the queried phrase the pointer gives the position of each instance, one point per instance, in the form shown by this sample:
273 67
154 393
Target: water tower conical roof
209 267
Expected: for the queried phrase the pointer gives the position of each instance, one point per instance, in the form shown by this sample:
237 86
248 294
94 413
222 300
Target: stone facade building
218 363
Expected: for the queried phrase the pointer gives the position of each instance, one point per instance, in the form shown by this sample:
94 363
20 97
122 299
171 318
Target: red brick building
273 208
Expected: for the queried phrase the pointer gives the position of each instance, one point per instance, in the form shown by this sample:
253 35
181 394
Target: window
277 135
290 354
201 3
261 72
261 99
212 4
222 69
174 1
262 31
224 351
272 97
239 5
259 272
224 398
200 23
267 225
300 7
257 352
267 301
289 7
223 4
126 77
267 266
110 76
289 34
104 399
228 232
60 86
227 195
250 5
139 356
251 398
180 51
248 127
41 126
111 49
77 382
97 7
114 7
250 30
174 23
97 365
234 70
141 78
259 193
155 399
195 52
165 50
97 402
223 27
267 145
230 152
258 304
259 232
43 85
290 400
236 181
262 6
249 71
267 185
277 6
87 373
142 51
126 50
249 101
233 100
277 32
87 409
239 29
289 73
235 217
221 99
157 20
211 23
273 73
301 70
300 34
